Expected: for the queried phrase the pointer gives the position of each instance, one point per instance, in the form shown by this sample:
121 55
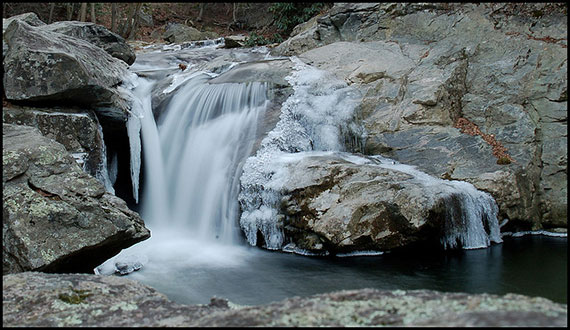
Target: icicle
133 131
102 174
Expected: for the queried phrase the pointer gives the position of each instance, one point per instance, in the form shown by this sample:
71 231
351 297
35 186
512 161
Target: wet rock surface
38 299
56 217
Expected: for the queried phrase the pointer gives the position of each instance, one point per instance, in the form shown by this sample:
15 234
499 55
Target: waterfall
193 156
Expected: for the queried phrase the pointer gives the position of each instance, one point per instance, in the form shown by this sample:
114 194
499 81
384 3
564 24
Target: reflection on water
530 265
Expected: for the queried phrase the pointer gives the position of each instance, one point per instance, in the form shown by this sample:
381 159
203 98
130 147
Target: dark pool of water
532 265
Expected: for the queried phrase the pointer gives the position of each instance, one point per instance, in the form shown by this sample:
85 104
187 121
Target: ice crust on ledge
318 117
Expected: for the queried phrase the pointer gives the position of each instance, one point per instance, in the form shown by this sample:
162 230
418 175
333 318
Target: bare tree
202 5
82 12
51 8
135 25
93 12
114 17
70 6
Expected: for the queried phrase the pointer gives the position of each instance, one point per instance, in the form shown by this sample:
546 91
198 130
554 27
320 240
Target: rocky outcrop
30 18
57 218
97 35
43 66
77 131
178 33
427 69
56 300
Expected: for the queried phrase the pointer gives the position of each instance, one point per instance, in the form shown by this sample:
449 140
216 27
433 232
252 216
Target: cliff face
468 92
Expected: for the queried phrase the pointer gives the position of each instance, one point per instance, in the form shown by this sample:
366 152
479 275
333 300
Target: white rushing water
193 157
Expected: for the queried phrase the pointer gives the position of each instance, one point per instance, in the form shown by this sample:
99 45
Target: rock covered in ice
317 116
122 264
338 202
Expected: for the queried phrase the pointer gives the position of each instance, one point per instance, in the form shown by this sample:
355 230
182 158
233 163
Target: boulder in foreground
38 299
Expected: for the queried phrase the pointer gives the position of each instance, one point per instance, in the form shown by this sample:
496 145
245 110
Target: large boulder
56 217
30 18
438 69
337 203
62 300
98 35
43 66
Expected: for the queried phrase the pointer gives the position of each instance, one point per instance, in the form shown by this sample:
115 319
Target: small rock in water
124 268
218 302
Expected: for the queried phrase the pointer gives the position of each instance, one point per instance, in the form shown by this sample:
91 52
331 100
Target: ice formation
319 117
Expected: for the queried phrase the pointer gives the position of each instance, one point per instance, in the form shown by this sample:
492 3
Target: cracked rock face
422 67
57 218
76 130
39 299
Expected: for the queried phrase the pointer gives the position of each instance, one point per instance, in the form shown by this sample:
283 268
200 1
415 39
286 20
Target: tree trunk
93 13
82 12
136 21
51 8
129 23
114 17
70 10
202 4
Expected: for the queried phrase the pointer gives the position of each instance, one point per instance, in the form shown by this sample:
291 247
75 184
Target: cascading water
193 157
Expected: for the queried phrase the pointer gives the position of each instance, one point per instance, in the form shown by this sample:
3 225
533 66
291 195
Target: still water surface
191 273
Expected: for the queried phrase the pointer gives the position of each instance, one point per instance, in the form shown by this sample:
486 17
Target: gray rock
38 299
179 33
78 131
370 307
98 35
57 218
59 300
421 67
30 18
47 66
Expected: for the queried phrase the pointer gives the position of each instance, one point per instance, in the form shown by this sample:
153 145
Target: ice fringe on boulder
316 117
